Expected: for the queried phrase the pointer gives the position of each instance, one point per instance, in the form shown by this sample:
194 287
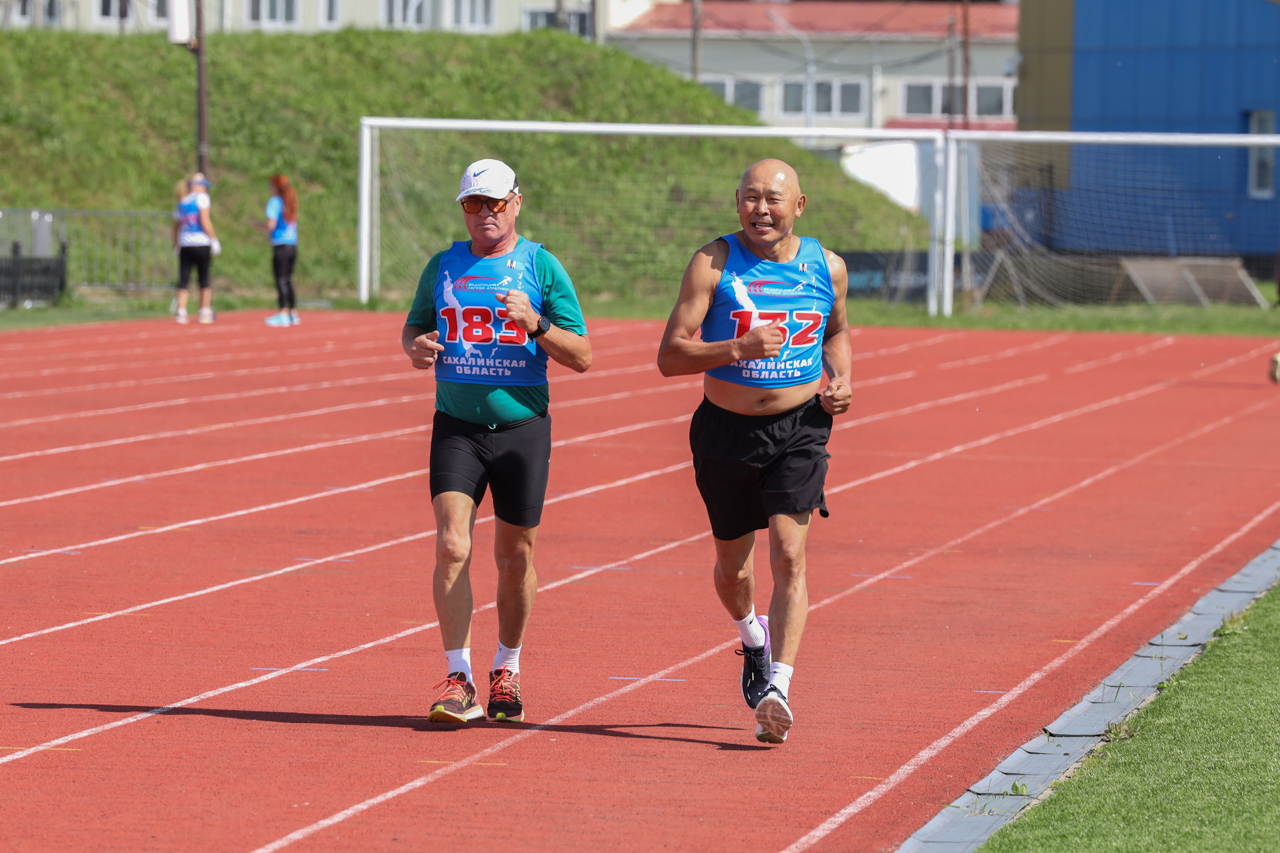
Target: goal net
1076 218
624 207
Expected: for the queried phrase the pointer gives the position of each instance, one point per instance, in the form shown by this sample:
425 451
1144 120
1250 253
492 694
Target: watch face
544 324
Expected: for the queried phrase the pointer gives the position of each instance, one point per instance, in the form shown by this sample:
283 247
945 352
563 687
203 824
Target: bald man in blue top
770 309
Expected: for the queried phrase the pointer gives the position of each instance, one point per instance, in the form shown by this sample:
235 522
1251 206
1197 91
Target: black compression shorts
749 468
513 461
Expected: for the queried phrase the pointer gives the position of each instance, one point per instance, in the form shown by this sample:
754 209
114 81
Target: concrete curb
990 803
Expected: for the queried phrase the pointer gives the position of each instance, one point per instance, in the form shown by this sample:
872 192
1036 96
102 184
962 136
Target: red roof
853 18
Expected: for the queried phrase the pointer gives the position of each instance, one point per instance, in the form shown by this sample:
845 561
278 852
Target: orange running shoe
457 704
504 696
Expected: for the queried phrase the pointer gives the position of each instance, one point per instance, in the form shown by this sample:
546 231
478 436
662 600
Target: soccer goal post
624 206
1104 218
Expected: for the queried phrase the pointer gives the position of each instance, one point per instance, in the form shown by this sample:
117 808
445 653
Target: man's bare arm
680 352
837 350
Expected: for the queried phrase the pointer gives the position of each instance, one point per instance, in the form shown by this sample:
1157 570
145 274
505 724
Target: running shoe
206 316
774 717
504 696
1275 368
457 704
277 321
293 318
755 667
181 317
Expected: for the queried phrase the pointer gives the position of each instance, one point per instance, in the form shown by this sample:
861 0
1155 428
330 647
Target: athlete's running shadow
419 724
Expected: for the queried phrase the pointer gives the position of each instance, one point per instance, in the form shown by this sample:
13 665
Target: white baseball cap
492 178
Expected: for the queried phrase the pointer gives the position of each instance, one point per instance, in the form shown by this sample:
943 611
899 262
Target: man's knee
453 547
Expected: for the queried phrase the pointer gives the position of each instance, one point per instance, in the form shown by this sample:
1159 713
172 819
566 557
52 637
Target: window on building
850 98
919 99
113 10
988 99
473 15
410 14
830 97
23 9
265 13
748 94
329 12
1262 161
578 23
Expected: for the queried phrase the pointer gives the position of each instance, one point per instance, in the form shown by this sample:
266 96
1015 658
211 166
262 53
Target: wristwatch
544 326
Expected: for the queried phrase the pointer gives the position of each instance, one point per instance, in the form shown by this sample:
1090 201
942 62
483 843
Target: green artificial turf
1201 771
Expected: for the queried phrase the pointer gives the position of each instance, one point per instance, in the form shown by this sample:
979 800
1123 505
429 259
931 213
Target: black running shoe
504 696
457 704
755 667
774 717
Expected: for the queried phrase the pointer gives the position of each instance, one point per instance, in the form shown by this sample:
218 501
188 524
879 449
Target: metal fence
117 249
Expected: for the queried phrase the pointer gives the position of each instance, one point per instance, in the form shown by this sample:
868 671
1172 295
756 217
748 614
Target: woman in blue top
282 226
196 245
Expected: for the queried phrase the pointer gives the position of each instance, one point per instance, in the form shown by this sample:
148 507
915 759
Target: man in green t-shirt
488 314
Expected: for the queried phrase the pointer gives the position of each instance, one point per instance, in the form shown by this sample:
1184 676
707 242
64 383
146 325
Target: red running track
217 634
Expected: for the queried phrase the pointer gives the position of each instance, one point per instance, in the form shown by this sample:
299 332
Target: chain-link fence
122 250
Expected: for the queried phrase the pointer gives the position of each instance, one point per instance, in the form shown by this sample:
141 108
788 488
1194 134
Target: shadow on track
419 724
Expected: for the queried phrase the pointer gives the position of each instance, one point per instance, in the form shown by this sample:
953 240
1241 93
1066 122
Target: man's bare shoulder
834 262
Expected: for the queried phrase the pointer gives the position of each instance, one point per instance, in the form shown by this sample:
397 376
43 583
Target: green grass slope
103 122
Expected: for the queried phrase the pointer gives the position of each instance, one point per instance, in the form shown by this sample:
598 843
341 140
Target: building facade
898 65
1167 66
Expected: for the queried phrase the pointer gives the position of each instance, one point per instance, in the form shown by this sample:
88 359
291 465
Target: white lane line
923 757
1265 349
590 490
340 442
407 375
199 377
204 359
1006 353
1122 356
942 401
308 664
420 782
186 341
182 525
901 348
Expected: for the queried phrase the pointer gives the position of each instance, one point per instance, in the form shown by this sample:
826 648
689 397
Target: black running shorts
512 460
749 468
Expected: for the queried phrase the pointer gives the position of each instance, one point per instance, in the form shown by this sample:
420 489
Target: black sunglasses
472 204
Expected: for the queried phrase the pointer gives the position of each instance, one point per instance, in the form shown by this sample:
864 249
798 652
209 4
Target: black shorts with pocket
749 468
513 461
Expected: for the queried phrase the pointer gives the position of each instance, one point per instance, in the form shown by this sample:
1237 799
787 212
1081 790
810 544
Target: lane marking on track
196 377
925 755
327 492
204 359
364 646
186 342
412 537
891 781
280 390
901 348
1122 356
942 401
341 442
1006 353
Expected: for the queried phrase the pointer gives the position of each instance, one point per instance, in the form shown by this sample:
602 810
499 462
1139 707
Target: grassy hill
103 122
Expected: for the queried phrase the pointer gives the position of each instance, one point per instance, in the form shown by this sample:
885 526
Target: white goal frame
369 170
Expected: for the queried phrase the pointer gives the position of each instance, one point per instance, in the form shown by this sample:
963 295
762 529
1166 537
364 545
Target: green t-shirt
498 404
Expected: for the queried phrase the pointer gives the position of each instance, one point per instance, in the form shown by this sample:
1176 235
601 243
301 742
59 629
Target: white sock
780 677
750 630
460 661
507 658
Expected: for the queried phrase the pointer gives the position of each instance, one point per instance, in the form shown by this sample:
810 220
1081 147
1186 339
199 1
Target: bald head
769 200
771 173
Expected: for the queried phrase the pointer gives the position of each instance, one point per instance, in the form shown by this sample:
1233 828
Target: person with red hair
282 226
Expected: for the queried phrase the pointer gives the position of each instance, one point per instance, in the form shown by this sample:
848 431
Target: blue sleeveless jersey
754 292
481 346
285 233
190 231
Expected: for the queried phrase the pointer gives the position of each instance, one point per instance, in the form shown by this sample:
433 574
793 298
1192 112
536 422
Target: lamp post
180 33
809 66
